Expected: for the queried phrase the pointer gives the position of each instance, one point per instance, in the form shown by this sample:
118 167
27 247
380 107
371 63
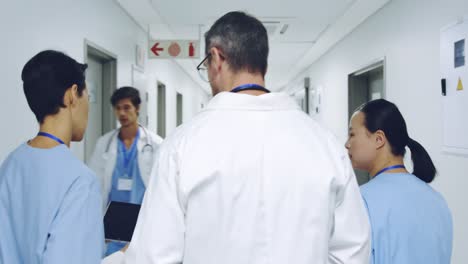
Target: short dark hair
126 92
46 77
243 39
383 115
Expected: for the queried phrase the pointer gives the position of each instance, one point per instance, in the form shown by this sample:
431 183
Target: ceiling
310 28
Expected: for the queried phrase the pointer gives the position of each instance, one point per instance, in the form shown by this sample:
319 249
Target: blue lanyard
44 134
249 86
389 168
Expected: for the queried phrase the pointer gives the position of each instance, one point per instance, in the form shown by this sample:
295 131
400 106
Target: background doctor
123 158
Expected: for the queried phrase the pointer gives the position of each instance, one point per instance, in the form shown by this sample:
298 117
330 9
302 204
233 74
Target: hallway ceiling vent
275 27
272 27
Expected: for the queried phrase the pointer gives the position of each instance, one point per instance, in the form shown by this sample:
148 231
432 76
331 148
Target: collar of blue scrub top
389 168
44 134
249 86
128 154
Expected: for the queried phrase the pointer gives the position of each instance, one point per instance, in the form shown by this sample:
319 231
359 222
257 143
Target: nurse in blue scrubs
411 222
50 202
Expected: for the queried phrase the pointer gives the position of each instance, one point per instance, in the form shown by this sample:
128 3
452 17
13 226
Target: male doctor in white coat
123 158
251 179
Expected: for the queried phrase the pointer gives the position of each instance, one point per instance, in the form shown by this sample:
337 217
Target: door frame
372 65
109 82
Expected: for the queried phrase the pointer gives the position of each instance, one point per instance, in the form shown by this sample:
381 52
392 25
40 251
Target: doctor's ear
217 58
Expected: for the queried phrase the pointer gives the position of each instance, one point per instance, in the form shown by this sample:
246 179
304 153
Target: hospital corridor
234 132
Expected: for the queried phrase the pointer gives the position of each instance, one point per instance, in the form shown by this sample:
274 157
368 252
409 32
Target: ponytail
424 168
383 115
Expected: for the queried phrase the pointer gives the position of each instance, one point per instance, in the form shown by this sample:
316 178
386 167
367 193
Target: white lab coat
104 157
251 180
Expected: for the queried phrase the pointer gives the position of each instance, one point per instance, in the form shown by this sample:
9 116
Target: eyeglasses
203 70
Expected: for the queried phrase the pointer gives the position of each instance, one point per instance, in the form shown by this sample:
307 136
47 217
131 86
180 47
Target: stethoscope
146 147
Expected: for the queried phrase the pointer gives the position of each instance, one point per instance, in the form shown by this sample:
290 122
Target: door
179 106
94 85
101 78
161 110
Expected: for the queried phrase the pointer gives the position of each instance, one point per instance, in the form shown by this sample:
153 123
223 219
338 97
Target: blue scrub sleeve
76 234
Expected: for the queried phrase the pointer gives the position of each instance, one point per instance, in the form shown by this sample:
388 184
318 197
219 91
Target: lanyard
389 168
249 86
44 134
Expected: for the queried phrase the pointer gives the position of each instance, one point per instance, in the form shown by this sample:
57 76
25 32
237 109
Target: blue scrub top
126 168
50 208
411 222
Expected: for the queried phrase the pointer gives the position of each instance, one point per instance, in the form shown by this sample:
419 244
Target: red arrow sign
155 49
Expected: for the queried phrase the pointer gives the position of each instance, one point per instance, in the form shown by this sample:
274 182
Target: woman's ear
380 139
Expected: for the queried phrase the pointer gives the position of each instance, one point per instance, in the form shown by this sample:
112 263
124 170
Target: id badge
124 184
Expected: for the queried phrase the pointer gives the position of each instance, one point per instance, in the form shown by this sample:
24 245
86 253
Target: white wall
176 81
27 27
407 34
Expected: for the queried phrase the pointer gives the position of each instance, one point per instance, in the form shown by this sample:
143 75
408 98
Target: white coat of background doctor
123 158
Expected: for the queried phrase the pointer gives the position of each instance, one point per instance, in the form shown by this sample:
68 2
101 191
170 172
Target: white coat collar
142 131
265 102
143 135
111 145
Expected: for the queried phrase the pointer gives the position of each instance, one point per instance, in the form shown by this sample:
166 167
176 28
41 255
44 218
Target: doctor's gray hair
243 41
